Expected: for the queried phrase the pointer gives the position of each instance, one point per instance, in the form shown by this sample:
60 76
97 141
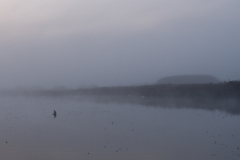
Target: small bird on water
54 114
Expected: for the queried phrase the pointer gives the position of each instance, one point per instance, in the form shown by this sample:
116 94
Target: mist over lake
119 80
116 43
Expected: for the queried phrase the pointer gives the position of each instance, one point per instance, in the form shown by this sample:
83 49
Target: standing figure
54 114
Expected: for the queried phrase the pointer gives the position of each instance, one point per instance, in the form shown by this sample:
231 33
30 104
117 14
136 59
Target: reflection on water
84 130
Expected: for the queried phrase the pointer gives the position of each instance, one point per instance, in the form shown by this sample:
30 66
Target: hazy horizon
111 43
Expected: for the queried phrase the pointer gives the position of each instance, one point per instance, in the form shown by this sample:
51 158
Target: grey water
89 130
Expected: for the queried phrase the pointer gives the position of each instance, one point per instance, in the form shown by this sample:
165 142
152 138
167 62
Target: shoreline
223 96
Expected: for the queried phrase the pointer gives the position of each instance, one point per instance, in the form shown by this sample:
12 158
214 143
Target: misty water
89 130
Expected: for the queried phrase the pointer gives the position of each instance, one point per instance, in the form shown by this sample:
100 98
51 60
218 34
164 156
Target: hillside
188 79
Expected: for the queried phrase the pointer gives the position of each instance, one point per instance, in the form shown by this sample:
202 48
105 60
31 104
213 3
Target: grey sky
110 42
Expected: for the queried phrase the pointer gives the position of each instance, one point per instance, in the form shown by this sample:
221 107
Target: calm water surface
84 130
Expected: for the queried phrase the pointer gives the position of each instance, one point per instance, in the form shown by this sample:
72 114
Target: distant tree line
223 96
230 89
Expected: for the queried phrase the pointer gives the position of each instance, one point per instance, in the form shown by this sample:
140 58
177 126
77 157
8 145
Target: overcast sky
116 42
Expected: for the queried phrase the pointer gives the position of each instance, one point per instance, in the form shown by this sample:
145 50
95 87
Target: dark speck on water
54 114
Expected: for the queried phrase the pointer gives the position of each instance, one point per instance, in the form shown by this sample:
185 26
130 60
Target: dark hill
184 79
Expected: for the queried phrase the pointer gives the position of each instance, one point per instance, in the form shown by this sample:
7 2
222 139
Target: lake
106 131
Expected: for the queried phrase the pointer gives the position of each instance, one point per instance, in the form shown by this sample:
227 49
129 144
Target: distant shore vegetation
224 96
